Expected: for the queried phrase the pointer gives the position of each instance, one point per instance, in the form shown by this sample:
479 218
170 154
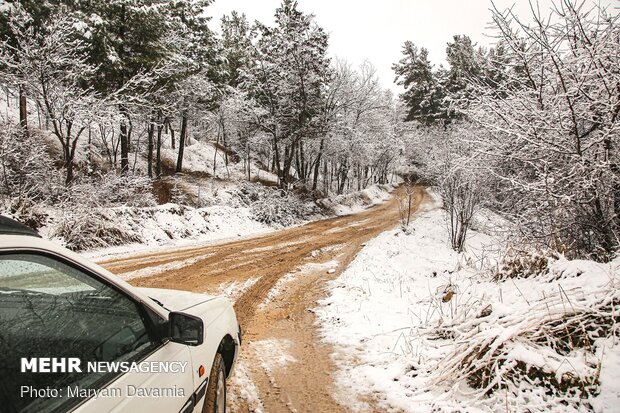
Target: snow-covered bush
88 228
355 201
552 140
524 263
274 206
282 208
26 168
251 192
540 347
549 348
111 189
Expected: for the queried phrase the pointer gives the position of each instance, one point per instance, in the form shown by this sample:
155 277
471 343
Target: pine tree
423 89
237 47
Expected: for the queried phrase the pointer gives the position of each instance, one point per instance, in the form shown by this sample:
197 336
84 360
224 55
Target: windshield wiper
158 302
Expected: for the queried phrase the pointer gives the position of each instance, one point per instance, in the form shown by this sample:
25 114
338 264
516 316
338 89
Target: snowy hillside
236 209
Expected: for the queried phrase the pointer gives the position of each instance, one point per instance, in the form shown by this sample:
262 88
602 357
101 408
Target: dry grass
523 263
503 356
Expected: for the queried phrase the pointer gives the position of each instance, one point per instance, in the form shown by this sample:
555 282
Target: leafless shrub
407 204
524 263
26 169
462 196
111 189
281 208
549 128
87 228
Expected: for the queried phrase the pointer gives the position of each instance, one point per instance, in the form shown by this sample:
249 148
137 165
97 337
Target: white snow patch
235 289
353 202
172 225
158 269
609 398
273 353
281 284
243 389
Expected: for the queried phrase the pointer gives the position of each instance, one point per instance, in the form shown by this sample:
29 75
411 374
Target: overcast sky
376 30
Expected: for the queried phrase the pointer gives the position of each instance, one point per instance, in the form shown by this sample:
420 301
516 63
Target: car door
169 392
50 308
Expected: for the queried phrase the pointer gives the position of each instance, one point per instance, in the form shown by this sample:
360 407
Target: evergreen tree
237 48
423 91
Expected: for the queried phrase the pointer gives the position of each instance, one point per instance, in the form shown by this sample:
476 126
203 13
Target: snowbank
353 202
419 328
137 228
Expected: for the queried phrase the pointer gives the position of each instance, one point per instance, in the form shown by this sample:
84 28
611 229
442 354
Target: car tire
215 401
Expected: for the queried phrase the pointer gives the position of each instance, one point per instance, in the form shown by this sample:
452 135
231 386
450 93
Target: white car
74 337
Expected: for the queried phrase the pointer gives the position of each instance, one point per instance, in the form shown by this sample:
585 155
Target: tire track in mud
306 384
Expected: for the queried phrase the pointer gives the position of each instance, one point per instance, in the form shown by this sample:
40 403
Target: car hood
176 300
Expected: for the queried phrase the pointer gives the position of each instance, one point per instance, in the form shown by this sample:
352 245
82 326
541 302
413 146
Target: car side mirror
186 329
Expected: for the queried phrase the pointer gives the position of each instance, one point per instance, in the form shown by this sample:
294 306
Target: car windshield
31 274
51 309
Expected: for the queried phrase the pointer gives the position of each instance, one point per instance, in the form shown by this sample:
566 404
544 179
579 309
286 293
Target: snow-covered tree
53 69
549 126
288 80
423 92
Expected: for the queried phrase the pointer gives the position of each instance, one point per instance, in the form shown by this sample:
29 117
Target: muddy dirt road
276 280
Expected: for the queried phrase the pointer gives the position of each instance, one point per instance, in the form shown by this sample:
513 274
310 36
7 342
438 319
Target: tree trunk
288 161
342 177
160 127
151 132
302 164
318 165
248 161
23 109
68 166
217 142
172 142
124 138
298 162
67 153
325 179
182 142
224 145
276 161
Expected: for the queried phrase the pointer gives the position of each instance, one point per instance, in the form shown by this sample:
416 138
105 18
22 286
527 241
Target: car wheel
216 389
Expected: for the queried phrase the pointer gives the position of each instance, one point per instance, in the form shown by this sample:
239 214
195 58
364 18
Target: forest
139 132
527 127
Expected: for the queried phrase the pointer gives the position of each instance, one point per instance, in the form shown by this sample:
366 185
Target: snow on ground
278 288
244 390
409 315
200 156
158 269
235 289
610 377
353 202
272 354
173 225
